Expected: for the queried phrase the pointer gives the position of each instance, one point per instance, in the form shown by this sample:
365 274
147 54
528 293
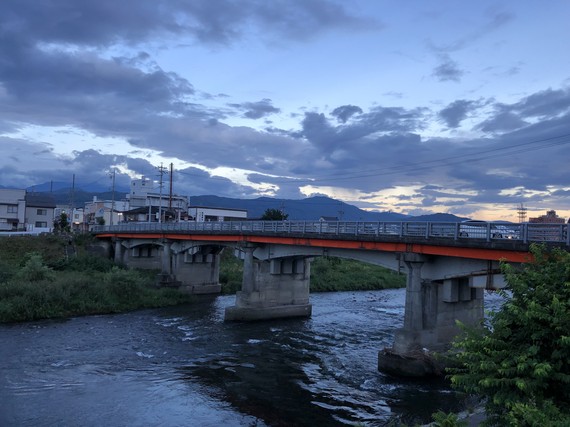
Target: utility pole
161 171
112 197
170 197
72 192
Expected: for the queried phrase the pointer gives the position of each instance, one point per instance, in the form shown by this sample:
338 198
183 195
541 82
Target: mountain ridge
308 209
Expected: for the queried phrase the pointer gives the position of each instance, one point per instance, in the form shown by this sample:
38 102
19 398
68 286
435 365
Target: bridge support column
431 312
165 278
278 288
199 273
118 258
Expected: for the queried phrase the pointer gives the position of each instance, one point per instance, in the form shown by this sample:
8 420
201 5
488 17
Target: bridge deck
444 239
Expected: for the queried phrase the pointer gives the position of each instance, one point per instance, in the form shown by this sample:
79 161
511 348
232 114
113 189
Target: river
183 366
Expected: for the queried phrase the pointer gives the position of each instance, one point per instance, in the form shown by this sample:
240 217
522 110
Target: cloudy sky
410 106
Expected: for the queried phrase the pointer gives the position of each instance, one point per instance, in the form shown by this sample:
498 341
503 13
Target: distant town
29 212
33 213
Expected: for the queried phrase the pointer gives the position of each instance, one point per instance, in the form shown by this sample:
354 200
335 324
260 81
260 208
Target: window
41 212
12 208
41 224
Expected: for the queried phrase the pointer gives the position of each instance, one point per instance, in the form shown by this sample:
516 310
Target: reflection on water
184 366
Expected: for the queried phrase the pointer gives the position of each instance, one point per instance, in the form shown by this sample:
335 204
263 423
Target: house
12 209
40 208
104 212
328 218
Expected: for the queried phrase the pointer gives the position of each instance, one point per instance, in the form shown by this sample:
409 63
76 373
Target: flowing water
184 366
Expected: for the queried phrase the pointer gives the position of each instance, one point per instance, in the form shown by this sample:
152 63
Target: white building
146 196
40 209
104 212
204 214
12 209
74 216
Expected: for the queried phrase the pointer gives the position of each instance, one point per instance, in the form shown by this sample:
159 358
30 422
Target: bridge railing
525 232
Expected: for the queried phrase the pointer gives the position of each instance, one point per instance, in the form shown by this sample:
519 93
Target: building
40 210
12 210
74 216
549 218
162 207
204 214
104 212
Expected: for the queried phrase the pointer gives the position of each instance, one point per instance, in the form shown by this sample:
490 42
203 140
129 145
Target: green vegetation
518 363
274 215
327 274
441 419
54 276
335 274
38 280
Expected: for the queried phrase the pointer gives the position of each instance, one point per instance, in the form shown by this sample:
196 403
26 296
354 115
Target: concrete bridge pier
119 253
199 272
432 309
277 288
165 278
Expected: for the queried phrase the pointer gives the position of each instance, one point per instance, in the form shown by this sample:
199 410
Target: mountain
309 209
438 217
59 186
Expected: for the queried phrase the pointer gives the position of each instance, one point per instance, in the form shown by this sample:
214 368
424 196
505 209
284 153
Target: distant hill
64 196
438 217
58 186
309 209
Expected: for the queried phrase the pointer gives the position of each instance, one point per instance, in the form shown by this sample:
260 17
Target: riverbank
53 276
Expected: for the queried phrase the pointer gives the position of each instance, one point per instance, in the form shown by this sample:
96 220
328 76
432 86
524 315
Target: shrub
519 362
34 270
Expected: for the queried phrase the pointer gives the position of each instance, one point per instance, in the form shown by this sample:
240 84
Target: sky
408 106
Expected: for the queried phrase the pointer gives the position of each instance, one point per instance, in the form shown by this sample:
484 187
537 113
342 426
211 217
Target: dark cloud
502 122
256 110
222 22
447 70
345 112
543 105
456 112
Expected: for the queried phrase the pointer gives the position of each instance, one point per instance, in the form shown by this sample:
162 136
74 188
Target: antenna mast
522 213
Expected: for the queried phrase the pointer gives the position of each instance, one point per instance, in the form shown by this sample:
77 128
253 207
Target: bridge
448 266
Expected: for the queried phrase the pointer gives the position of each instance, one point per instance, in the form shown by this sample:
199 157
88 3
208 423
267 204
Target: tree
61 223
274 215
519 361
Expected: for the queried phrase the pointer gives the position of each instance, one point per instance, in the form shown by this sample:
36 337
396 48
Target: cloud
447 70
216 22
345 112
256 110
456 112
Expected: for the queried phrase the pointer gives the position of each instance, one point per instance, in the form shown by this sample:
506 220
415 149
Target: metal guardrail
488 231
